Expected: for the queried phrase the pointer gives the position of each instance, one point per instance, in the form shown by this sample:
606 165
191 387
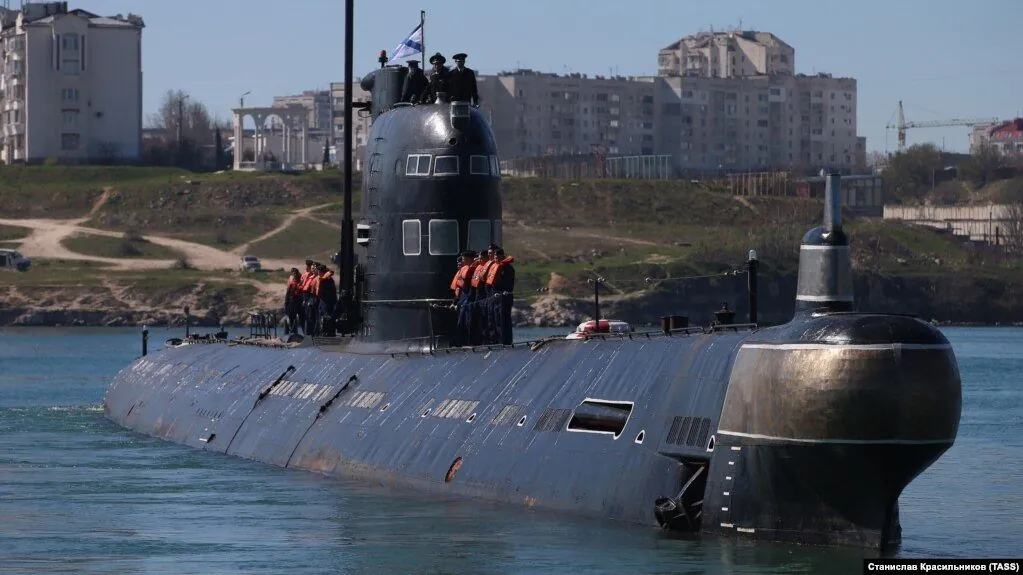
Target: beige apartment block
316 101
732 54
534 113
755 123
70 85
361 119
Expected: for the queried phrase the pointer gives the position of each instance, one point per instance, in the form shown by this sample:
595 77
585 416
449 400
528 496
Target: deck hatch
508 415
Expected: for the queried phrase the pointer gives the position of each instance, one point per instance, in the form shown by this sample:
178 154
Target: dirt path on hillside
303 213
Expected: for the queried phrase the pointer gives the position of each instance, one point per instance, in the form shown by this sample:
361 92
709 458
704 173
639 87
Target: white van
13 260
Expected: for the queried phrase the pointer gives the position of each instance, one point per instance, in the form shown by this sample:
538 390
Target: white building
70 85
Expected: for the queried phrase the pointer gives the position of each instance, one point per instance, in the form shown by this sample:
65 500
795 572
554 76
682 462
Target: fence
590 166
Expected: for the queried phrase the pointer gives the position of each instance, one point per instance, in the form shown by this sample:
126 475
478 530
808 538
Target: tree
985 164
1014 229
910 174
178 109
326 151
218 150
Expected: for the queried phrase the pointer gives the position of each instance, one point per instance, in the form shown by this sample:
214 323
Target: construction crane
903 125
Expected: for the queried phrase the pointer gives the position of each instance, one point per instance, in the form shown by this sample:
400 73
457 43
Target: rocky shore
955 299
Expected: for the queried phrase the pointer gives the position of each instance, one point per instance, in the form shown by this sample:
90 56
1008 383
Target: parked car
250 264
13 260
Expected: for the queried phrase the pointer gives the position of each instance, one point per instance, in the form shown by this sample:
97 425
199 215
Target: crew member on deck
438 77
293 300
311 304
477 299
501 279
462 82
303 287
328 300
416 88
462 287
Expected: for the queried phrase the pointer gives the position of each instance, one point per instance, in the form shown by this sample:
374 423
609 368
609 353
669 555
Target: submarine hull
807 432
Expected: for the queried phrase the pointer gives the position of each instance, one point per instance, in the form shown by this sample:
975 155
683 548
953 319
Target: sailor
416 88
462 82
461 286
477 299
311 287
327 300
504 285
438 77
303 288
496 282
293 300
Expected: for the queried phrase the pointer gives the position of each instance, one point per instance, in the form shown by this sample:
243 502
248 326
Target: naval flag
409 46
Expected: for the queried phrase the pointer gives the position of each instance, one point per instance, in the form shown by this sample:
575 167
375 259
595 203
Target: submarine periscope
804 432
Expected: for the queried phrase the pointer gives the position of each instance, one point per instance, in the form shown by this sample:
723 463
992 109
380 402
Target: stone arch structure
293 139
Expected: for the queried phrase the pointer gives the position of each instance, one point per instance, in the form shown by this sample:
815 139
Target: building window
69 94
479 235
69 67
70 118
69 141
69 42
443 237
446 166
479 165
418 165
412 237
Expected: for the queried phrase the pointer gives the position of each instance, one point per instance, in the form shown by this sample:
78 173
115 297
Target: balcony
14 129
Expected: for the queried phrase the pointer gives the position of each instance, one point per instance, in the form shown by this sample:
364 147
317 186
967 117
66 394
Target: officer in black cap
439 80
417 87
462 82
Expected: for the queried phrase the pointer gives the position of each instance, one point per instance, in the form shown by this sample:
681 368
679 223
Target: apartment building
755 123
732 101
732 54
360 119
316 101
534 113
70 85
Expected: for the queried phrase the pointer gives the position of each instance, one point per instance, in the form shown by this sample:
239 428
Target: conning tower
430 190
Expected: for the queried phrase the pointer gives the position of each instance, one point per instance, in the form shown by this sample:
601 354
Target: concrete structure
993 224
733 54
70 85
317 103
360 118
280 139
534 113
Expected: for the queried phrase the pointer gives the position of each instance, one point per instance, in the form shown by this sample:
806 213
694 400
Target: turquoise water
80 495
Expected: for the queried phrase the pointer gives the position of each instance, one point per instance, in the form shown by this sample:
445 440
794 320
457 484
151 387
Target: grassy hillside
560 232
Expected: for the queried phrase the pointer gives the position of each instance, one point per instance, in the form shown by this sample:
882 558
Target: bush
129 249
183 264
133 235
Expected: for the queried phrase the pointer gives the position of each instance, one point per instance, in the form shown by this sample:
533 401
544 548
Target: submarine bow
807 431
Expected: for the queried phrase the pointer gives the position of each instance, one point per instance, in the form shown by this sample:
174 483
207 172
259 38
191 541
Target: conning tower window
411 237
443 237
479 165
446 166
418 165
495 166
479 235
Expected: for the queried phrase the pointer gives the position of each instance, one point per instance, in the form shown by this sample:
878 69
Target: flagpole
422 26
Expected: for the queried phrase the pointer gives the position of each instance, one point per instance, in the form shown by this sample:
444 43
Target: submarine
804 432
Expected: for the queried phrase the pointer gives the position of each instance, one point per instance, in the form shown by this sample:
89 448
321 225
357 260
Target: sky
944 59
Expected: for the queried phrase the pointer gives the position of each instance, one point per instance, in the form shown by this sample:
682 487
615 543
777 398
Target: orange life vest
481 272
495 269
306 282
295 286
461 279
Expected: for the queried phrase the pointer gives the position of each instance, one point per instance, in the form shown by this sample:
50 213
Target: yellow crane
903 125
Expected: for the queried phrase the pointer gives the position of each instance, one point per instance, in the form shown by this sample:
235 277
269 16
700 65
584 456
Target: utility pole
181 123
